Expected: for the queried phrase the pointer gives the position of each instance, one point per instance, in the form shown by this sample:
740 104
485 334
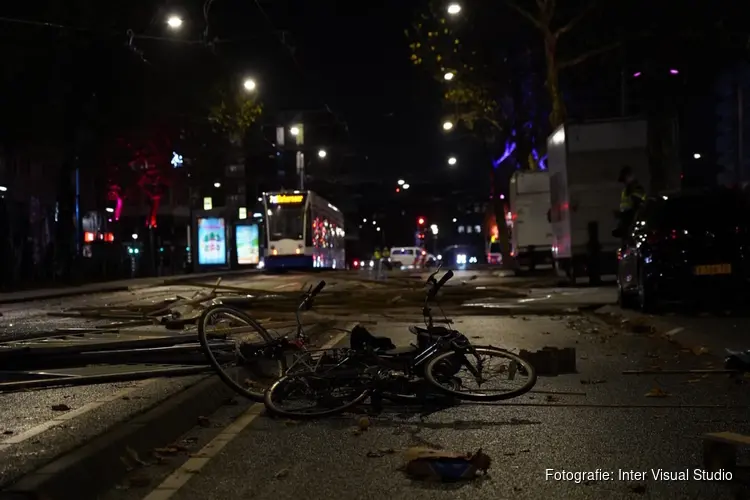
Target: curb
100 463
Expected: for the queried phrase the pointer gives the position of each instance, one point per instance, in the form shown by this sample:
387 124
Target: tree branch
587 55
526 15
577 19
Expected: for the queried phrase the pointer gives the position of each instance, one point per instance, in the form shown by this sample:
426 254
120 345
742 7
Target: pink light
636 74
674 72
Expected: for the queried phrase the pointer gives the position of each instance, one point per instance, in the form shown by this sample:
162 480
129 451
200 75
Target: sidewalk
702 332
112 286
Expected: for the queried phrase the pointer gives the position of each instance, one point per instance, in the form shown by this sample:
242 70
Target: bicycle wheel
330 393
442 372
234 345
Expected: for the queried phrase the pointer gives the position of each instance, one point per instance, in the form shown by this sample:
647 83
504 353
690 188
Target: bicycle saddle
435 330
361 339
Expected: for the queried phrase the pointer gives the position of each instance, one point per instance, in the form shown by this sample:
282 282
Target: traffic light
420 221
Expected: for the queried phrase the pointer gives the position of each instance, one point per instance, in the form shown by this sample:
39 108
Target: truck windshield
286 222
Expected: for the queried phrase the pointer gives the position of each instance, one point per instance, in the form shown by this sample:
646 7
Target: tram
303 231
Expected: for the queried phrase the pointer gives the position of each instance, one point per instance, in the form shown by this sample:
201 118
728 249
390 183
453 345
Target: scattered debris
593 382
438 465
139 481
363 423
700 350
61 407
281 474
639 488
657 392
551 399
7 433
551 361
204 422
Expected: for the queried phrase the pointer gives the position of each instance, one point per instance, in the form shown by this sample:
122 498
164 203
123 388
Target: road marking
192 466
67 416
673 331
286 285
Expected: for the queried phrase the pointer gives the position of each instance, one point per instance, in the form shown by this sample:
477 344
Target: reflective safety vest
630 196
377 255
386 253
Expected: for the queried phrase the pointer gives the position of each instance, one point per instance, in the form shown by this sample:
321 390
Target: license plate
713 269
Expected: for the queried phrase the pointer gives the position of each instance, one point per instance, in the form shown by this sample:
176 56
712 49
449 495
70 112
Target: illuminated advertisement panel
286 199
248 246
212 242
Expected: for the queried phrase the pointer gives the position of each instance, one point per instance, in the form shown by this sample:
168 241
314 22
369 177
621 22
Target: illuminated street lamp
448 76
134 236
217 184
174 22
697 156
322 153
294 131
401 182
434 229
377 229
405 186
452 160
447 125
454 9
249 84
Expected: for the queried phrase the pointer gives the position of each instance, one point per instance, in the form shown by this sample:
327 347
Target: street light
405 186
434 229
697 156
447 125
401 182
217 184
378 229
3 188
448 76
134 236
452 160
294 131
322 153
454 219
454 9
249 84
174 22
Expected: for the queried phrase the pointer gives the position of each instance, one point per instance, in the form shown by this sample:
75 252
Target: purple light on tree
674 72
510 146
636 74
541 161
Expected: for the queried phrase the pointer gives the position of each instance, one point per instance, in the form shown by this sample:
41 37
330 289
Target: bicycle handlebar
437 285
307 302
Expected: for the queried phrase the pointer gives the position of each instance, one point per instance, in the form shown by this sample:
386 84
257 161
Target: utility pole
740 134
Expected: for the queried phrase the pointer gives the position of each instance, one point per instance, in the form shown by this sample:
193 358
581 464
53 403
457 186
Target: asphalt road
576 426
36 426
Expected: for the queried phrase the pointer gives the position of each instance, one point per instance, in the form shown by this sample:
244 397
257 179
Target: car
411 258
686 246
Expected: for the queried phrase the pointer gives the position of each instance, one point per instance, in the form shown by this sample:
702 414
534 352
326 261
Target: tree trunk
557 116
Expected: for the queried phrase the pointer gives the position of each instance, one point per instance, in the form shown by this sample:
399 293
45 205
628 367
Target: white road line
193 465
673 331
64 417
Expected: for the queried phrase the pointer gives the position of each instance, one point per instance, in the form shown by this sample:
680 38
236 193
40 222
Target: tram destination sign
286 199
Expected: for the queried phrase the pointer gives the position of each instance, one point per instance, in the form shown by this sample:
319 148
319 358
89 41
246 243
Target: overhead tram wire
303 73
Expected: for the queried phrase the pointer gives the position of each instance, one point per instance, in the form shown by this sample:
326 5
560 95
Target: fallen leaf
60 408
656 392
387 451
699 350
551 399
694 380
363 423
374 454
282 473
204 422
593 382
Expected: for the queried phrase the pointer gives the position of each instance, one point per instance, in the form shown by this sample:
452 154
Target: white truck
584 161
531 231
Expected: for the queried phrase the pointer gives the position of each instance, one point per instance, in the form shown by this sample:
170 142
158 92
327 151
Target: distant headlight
461 259
473 260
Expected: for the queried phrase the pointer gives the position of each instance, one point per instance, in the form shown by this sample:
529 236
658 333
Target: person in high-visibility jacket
631 198
377 261
386 260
